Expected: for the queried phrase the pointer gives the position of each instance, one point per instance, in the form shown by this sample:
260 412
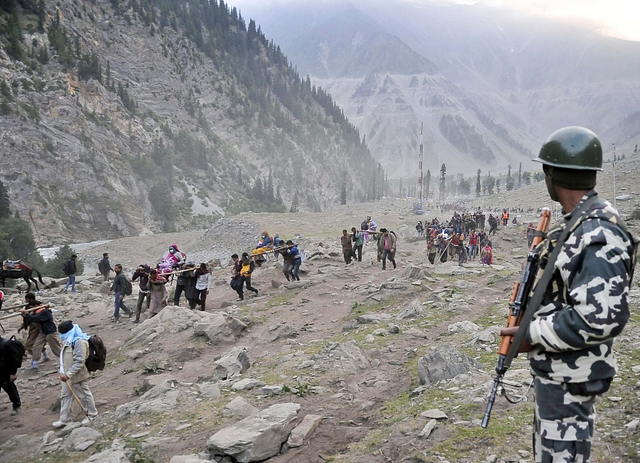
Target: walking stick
79 403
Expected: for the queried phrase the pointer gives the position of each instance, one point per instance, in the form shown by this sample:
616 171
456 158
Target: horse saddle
11 265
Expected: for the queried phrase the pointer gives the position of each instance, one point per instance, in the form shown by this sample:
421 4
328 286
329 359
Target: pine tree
443 176
520 175
294 203
5 211
478 184
343 192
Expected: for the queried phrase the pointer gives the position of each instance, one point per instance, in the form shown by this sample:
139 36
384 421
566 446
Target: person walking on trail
297 260
48 334
358 241
387 246
287 262
347 250
74 374
33 328
585 306
70 268
236 278
158 293
473 245
118 289
203 283
246 269
10 361
142 274
104 266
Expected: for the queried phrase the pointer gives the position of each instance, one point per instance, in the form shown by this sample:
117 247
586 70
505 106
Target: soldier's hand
524 346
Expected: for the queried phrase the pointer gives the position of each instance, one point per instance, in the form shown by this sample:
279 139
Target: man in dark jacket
180 286
143 273
48 333
190 280
70 269
8 373
33 329
104 266
118 288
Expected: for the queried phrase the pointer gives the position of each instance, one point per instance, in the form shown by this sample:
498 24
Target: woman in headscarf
173 258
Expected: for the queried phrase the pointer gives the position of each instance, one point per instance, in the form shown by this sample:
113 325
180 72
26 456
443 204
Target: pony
25 272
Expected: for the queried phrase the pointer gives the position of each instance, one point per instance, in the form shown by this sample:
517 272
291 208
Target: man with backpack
69 269
11 352
120 287
74 374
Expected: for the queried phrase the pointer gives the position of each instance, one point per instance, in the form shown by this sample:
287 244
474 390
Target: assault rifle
517 307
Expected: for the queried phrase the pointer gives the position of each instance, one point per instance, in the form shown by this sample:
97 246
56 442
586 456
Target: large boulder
346 357
233 363
219 328
444 362
160 398
257 437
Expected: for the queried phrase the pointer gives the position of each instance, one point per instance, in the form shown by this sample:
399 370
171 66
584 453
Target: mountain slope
504 80
121 118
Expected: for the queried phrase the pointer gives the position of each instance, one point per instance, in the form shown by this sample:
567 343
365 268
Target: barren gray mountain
503 82
123 118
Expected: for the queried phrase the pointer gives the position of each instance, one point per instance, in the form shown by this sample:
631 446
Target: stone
257 437
411 272
209 390
239 407
234 362
463 327
273 390
373 318
247 384
160 398
108 456
393 328
303 430
220 329
347 356
444 362
434 414
428 429
79 435
188 459
82 446
414 310
277 331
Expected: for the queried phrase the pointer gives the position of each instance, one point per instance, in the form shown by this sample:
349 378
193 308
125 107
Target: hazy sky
617 18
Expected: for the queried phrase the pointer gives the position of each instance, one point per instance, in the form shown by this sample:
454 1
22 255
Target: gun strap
541 286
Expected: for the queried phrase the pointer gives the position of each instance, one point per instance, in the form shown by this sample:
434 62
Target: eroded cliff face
162 136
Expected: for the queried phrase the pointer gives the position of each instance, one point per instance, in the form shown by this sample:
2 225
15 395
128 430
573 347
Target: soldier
585 306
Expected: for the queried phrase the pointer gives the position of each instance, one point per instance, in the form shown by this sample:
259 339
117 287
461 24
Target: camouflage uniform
584 308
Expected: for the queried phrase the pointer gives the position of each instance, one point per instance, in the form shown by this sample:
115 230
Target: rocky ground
368 365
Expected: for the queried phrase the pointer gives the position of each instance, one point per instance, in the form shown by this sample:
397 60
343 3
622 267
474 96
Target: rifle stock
517 307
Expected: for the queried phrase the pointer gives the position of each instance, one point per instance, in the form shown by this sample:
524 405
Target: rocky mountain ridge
503 83
126 118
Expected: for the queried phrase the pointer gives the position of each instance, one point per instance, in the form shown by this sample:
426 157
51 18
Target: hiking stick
78 400
44 306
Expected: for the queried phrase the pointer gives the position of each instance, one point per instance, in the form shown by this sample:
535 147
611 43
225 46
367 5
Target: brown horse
25 272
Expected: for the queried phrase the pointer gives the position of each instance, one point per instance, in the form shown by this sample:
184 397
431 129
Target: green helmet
572 148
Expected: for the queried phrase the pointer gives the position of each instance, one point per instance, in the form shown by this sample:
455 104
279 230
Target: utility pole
614 176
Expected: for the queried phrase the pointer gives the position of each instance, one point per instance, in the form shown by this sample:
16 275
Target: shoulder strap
541 287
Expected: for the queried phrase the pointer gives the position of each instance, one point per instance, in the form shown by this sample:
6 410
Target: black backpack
128 287
11 354
66 268
97 354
